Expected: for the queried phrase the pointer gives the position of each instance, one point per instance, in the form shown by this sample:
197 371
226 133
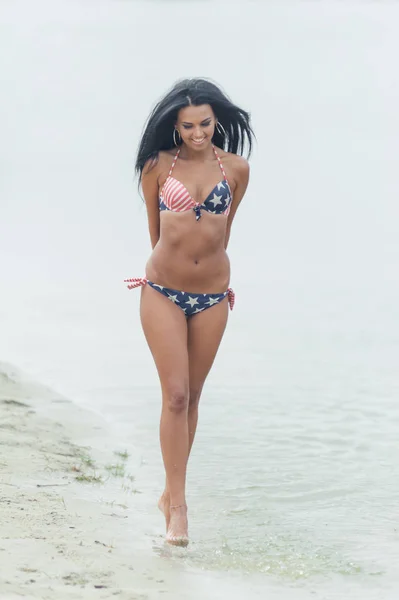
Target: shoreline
66 500
74 526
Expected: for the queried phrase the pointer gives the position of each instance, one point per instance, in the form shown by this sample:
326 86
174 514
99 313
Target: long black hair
158 130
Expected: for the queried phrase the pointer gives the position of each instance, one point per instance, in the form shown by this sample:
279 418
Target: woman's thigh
205 332
165 328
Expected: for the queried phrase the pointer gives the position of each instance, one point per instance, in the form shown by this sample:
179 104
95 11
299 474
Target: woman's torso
190 254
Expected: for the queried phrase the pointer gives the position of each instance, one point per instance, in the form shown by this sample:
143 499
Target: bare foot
177 533
164 506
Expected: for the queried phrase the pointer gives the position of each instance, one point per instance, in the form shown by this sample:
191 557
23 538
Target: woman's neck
197 155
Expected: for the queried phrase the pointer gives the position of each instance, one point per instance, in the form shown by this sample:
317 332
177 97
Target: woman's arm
241 176
150 185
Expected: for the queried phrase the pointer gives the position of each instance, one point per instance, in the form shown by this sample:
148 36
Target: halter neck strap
217 157
174 161
220 163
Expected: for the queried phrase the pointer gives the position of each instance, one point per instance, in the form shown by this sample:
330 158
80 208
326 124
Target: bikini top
175 197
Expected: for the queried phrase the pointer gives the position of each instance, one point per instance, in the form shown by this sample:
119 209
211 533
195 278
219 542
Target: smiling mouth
198 141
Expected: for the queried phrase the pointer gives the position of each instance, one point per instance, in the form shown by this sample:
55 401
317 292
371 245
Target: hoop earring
174 137
220 128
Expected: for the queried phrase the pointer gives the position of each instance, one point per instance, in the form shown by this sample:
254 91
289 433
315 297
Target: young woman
193 179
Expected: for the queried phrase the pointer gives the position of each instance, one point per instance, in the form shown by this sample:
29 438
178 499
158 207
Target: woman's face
196 125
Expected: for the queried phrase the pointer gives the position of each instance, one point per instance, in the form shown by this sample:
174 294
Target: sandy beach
64 505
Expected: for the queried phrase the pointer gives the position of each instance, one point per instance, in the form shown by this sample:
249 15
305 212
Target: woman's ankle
177 501
178 506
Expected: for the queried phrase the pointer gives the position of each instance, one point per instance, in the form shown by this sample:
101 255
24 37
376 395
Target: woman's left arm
241 176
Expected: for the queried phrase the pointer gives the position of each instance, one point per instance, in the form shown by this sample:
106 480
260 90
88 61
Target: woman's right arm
150 185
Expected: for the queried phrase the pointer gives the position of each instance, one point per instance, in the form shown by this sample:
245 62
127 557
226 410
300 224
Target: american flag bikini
176 198
190 303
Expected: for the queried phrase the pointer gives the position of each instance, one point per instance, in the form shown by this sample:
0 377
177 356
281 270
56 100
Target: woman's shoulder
156 166
234 162
166 156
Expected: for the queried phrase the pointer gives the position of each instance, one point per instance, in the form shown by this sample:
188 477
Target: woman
192 189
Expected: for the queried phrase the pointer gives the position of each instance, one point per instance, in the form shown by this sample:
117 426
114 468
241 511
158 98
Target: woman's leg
205 332
165 328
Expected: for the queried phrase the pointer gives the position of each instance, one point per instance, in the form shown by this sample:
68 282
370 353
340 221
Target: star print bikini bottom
190 304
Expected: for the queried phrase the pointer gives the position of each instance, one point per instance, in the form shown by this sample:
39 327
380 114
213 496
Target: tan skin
187 255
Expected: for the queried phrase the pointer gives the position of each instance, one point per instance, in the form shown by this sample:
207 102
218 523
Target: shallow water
293 482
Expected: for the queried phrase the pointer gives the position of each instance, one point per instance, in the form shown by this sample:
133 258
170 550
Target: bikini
175 197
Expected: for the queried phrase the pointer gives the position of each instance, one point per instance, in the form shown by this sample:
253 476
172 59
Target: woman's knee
176 399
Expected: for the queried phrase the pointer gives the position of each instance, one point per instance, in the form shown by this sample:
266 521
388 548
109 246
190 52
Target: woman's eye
202 125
